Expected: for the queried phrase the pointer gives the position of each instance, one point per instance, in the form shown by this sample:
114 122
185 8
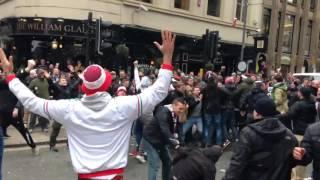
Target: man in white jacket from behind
98 126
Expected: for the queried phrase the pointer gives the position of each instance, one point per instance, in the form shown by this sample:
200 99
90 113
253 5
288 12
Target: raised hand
167 46
31 64
7 65
15 112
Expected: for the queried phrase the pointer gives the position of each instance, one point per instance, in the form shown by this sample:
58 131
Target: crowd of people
185 121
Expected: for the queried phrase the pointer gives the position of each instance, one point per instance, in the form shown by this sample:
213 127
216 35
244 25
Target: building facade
189 18
292 27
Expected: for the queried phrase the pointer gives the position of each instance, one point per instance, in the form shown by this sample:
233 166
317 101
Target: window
214 8
288 33
312 4
278 30
239 10
182 4
266 20
308 39
146 1
292 1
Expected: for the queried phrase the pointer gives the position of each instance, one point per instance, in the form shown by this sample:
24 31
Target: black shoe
54 149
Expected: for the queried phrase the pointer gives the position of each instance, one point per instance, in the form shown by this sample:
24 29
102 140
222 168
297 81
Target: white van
310 76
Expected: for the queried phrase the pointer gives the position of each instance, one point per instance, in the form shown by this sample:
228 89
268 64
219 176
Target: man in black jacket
195 164
11 111
264 150
302 113
63 90
162 131
309 149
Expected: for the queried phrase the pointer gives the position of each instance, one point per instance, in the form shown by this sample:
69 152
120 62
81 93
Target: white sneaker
35 151
141 159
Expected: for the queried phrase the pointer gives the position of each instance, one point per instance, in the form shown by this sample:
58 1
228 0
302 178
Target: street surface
21 164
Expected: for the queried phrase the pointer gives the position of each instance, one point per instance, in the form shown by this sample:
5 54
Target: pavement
40 138
19 163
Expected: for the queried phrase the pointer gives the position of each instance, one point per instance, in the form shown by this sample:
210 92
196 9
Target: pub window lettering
182 4
214 8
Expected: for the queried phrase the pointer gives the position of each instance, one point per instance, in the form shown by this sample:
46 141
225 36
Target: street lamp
244 28
243 46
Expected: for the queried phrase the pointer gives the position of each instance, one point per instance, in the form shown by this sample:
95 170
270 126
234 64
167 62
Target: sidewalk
40 138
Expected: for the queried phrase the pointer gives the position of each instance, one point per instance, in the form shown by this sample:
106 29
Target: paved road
48 165
57 166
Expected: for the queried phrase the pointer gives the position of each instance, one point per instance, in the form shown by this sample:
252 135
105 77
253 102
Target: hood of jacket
257 90
269 128
281 85
248 81
96 102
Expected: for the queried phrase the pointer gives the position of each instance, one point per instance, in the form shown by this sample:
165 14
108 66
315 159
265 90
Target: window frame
181 9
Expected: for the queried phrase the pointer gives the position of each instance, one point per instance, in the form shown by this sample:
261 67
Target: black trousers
43 122
55 132
7 120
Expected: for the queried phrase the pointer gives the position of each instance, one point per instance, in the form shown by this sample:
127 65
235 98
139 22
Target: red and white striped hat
95 79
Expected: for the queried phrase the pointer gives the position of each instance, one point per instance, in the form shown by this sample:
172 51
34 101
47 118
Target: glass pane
308 39
288 33
214 8
239 10
266 20
182 4
292 1
146 1
312 4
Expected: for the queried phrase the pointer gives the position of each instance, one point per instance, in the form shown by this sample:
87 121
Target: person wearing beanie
264 150
302 113
196 163
121 91
98 126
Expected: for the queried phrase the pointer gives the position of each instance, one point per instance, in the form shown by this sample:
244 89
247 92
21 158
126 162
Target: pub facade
58 30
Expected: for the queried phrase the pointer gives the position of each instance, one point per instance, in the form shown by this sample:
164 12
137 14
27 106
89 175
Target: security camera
143 7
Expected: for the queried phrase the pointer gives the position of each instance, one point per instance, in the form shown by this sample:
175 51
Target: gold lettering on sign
51 27
58 27
67 28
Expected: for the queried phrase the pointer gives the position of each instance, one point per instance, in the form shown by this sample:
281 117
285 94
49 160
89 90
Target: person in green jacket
279 94
40 87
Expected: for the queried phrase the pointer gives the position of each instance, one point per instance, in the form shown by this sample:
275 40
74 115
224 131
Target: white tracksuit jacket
98 126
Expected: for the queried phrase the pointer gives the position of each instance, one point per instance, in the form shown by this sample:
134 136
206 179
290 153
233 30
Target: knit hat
229 80
266 107
122 88
305 92
95 79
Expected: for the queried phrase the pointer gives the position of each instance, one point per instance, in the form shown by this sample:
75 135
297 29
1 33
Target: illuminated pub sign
49 26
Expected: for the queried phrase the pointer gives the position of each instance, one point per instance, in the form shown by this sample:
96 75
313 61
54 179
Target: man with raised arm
98 125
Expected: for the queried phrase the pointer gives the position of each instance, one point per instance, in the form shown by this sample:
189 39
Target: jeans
213 121
190 122
153 161
138 129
